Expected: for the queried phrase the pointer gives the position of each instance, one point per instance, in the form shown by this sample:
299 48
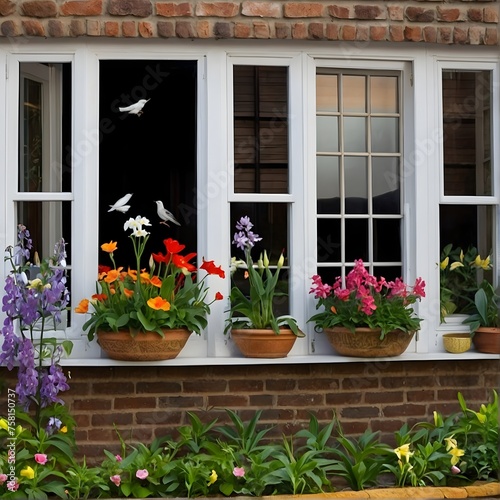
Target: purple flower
53 381
53 425
60 253
27 378
10 345
244 224
245 239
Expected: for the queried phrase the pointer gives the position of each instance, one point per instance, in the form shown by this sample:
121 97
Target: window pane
467 132
45 127
386 185
354 94
387 240
327 93
260 129
329 240
356 185
328 184
356 239
354 134
384 94
270 222
327 134
385 135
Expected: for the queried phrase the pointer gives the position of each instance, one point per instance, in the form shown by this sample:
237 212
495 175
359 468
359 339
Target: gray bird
135 109
164 214
121 204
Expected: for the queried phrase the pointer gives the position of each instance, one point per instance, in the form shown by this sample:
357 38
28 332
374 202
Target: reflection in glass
354 94
356 185
387 240
354 134
384 94
326 93
386 185
329 240
328 184
327 134
385 135
356 239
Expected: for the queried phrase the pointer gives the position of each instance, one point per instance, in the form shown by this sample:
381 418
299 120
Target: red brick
430 34
146 30
316 31
129 29
92 404
242 30
378 33
384 397
404 410
261 29
155 418
57 29
217 9
113 388
185 29
283 30
343 398
490 15
396 12
40 8
261 400
165 29
110 419
332 31
491 36
360 412
204 386
77 27
339 12
82 8
180 402
134 402
138 8
238 386
475 15
112 28
386 425
300 400
420 15
460 35
33 28
203 29
93 27
261 9
299 31
305 9
174 9
322 384
348 32
369 12
227 401
283 385
7 7
360 383
413 33
449 15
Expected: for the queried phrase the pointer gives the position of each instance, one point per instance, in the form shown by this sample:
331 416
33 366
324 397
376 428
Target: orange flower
155 281
109 247
112 275
132 273
128 293
159 303
82 307
334 311
100 296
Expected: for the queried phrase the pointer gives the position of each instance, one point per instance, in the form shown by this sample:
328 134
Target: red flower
183 262
210 267
219 296
173 246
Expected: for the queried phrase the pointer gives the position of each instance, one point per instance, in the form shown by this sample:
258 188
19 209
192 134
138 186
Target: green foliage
486 311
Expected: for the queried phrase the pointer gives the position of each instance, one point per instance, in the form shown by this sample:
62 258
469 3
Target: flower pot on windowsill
263 343
144 346
366 342
487 340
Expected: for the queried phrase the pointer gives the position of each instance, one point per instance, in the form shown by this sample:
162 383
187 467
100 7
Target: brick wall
145 402
453 22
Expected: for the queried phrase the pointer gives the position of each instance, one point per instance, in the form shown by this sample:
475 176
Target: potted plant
459 279
254 326
484 322
367 316
154 311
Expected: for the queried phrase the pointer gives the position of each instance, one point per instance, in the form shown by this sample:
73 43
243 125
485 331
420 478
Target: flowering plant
367 301
257 309
31 306
459 278
168 296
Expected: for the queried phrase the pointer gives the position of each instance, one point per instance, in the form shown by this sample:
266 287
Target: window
358 172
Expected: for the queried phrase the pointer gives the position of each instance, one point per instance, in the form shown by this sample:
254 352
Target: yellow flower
212 478
404 451
482 263
444 263
63 429
481 417
455 265
28 472
4 424
456 453
451 443
159 303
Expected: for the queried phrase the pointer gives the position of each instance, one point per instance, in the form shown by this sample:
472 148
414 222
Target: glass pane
327 93
327 134
354 134
45 151
328 184
390 273
47 222
270 222
467 132
384 94
329 274
385 135
386 185
356 185
329 249
387 240
356 239
354 94
260 129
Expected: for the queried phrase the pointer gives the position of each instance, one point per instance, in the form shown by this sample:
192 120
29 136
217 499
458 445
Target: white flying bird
164 214
121 204
135 109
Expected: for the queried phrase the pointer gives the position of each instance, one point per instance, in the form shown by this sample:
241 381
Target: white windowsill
290 360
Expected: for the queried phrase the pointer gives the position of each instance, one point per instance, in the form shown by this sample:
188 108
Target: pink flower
40 458
3 478
320 289
455 470
118 458
368 305
13 485
238 472
418 288
116 479
142 474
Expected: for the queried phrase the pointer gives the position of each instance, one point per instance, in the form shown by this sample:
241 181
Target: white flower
139 233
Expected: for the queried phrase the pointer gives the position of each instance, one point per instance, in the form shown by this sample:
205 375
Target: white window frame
421 69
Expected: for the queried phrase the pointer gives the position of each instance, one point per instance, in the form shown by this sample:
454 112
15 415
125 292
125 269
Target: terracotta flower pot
487 340
264 343
366 342
145 346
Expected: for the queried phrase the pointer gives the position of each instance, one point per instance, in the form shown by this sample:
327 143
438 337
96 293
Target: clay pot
487 340
254 343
